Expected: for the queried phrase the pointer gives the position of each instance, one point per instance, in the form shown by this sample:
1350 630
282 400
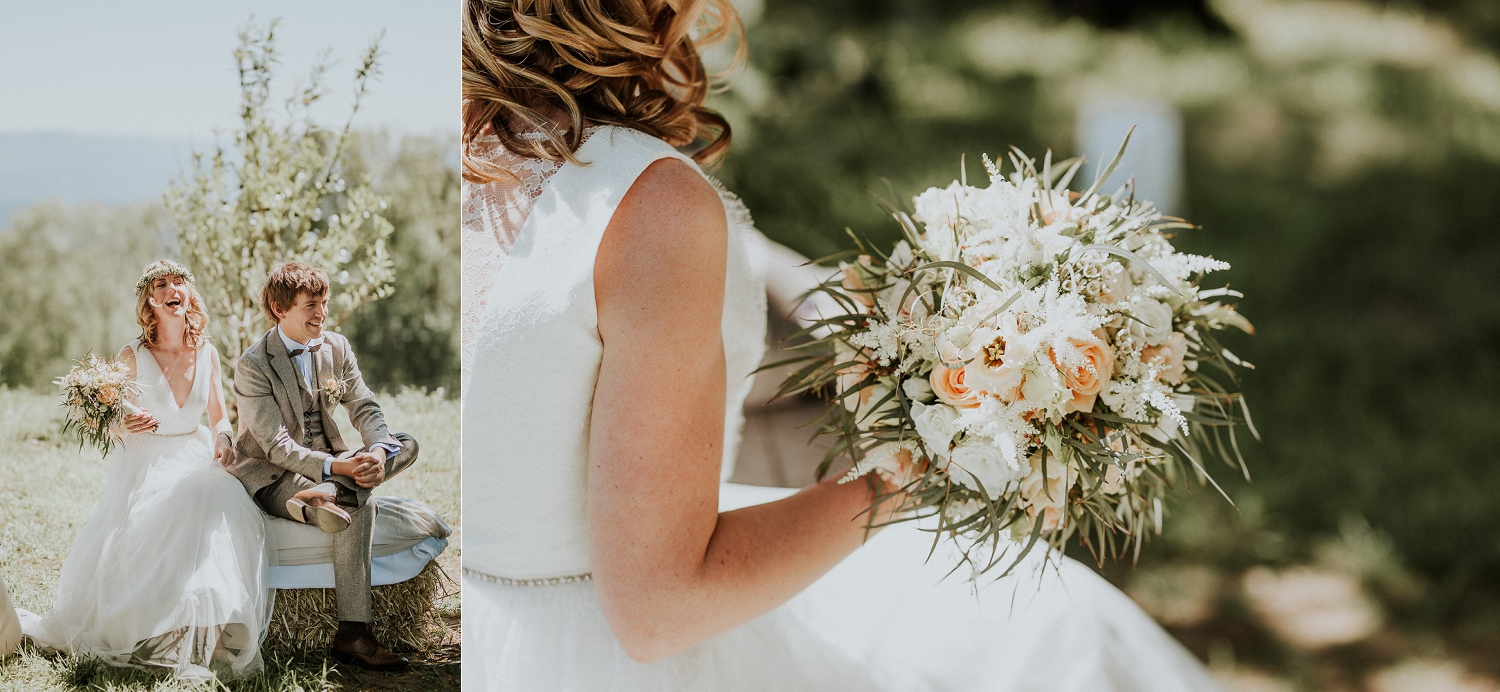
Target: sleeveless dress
886 618
171 570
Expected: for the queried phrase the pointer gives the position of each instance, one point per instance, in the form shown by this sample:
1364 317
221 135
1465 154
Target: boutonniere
334 389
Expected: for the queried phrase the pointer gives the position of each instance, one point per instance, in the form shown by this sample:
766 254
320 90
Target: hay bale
406 616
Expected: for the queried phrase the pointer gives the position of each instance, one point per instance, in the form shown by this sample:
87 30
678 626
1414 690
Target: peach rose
1086 381
1169 356
948 385
851 376
107 396
854 282
1046 495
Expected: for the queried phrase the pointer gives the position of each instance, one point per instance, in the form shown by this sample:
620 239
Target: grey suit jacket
268 395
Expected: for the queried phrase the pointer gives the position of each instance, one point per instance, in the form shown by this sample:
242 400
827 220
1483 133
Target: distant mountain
78 168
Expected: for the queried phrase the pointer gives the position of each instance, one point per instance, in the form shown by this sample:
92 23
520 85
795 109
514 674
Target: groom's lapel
291 381
322 365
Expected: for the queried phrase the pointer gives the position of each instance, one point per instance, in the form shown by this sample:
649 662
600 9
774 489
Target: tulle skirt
882 620
171 571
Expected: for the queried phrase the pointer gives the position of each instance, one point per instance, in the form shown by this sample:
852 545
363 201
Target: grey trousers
351 547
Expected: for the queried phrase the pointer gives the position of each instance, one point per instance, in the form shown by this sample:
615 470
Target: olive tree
279 192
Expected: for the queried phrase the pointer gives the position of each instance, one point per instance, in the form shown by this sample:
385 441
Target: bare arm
672 571
218 416
134 422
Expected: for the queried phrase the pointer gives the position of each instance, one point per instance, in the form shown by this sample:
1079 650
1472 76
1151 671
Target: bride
613 310
171 570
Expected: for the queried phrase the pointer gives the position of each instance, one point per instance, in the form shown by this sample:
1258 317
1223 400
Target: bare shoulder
669 229
670 204
127 355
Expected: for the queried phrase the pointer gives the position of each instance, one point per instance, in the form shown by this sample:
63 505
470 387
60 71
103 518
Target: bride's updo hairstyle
631 63
196 329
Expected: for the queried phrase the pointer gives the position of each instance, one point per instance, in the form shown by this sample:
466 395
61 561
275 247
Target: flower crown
167 268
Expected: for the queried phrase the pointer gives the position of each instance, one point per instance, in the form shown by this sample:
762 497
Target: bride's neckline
171 391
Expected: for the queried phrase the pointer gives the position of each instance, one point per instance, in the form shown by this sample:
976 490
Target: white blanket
408 535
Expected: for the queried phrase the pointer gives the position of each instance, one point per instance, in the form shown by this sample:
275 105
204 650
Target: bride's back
533 350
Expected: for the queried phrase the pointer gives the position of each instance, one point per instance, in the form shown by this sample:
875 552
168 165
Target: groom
291 457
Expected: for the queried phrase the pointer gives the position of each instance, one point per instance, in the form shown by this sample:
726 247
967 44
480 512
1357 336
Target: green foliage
282 193
415 330
65 281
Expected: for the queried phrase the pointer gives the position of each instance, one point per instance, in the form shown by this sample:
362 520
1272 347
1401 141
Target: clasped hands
366 468
142 422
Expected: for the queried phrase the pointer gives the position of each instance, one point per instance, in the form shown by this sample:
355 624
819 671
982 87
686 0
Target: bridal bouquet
1029 361
96 395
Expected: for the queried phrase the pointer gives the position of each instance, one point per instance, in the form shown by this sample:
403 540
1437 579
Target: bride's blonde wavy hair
631 63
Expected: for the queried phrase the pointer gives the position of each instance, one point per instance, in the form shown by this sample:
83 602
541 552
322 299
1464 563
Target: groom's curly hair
631 63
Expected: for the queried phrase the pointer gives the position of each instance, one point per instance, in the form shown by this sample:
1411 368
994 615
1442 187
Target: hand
142 422
224 450
367 469
370 468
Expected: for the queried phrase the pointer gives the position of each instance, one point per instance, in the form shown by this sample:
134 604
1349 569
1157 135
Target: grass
49 489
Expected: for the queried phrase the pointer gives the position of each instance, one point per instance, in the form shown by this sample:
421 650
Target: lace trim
506 581
492 216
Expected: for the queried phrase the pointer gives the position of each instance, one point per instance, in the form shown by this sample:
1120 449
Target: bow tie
310 349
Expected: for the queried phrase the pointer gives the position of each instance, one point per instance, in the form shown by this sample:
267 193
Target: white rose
957 345
901 256
917 389
979 460
1157 319
1044 385
867 413
936 423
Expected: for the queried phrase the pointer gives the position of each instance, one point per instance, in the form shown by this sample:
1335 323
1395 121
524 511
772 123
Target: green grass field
49 488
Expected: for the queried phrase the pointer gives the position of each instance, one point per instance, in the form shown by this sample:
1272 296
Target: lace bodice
493 214
156 394
532 350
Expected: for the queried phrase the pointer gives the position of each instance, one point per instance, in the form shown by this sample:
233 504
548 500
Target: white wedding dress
883 619
172 569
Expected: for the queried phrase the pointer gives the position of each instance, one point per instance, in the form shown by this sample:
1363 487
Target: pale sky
165 68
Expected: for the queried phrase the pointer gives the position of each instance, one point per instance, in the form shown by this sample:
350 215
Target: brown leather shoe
367 653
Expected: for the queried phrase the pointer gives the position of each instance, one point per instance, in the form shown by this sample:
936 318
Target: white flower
957 345
882 338
901 256
980 460
937 424
918 390
890 460
963 509
1044 386
1152 323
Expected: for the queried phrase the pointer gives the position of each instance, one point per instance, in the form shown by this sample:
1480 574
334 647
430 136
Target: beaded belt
506 581
194 431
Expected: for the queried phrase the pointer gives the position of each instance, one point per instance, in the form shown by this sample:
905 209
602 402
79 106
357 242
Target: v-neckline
171 394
